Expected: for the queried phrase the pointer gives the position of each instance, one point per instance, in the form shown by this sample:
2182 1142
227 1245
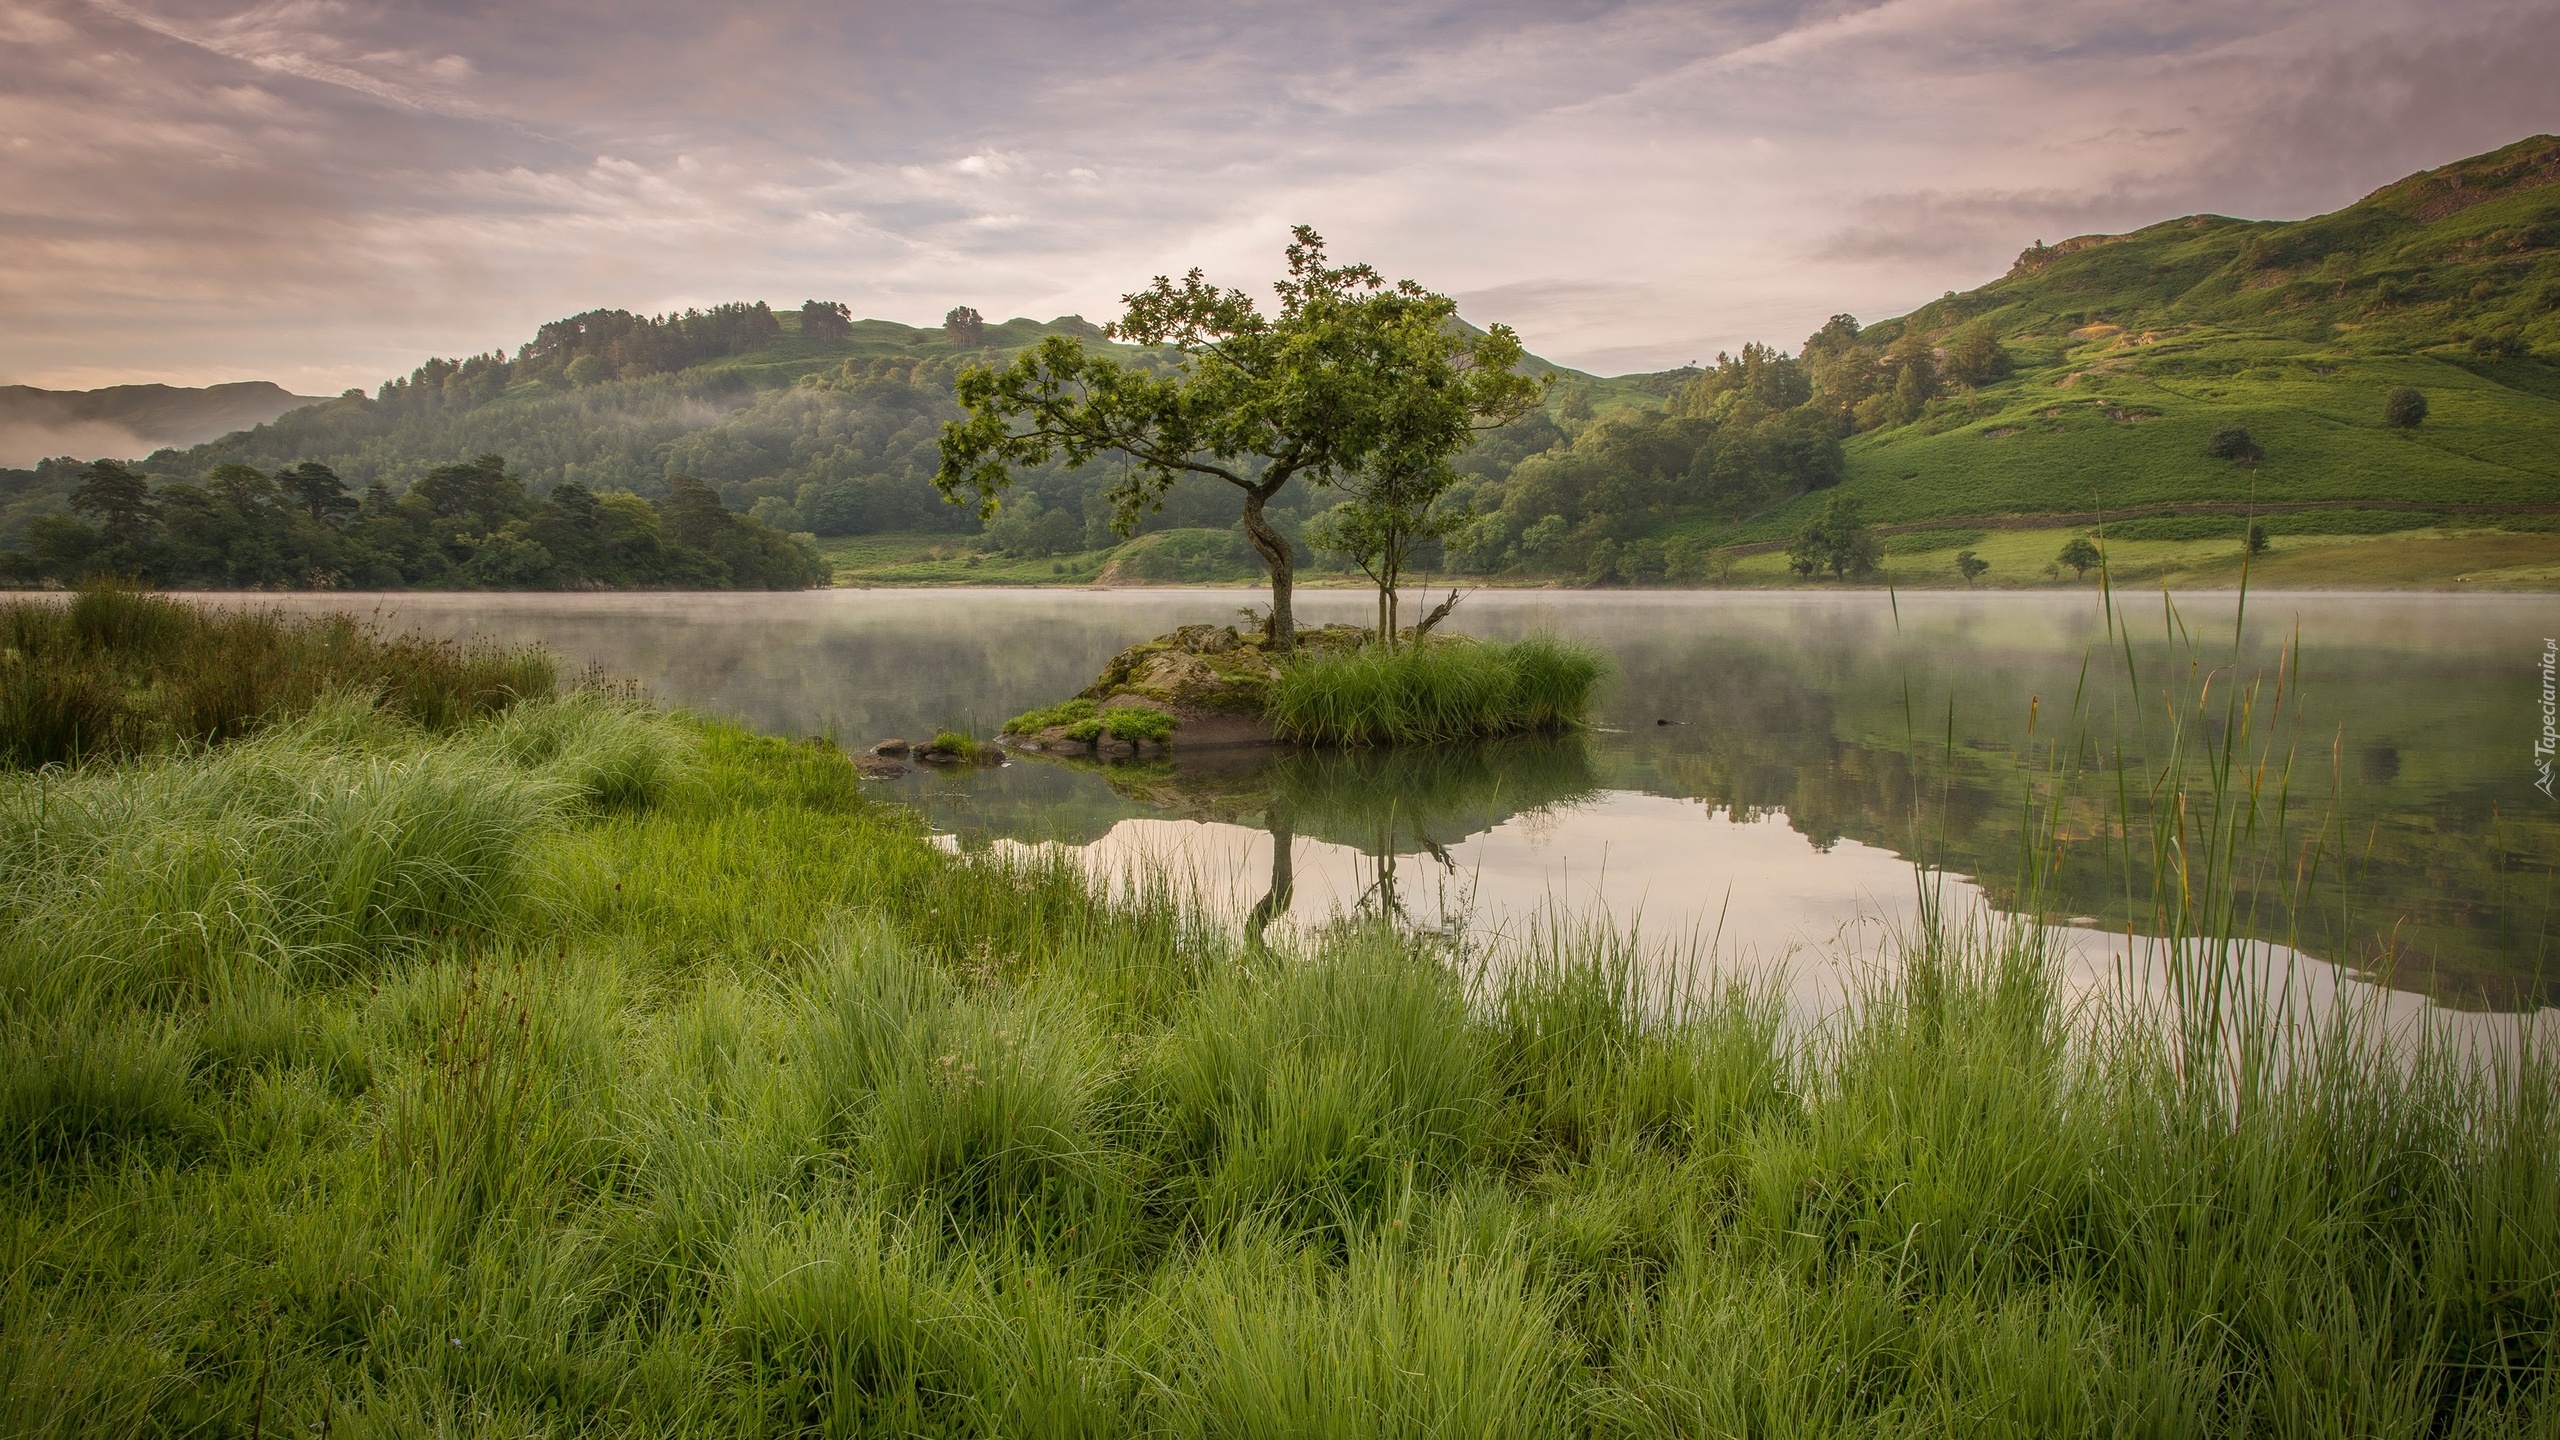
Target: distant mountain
126 422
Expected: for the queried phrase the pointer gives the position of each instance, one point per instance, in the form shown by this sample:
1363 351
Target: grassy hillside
2132 351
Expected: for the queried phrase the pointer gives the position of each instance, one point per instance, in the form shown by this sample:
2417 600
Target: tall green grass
1433 693
114 672
675 1087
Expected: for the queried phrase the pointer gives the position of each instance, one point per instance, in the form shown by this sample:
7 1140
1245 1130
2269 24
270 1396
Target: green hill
2128 353
759 406
2177 384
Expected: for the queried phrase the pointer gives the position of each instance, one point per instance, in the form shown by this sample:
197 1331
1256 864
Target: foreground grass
586 1071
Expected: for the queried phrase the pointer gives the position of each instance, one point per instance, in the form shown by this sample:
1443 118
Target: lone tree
2080 554
2256 540
1354 376
1835 539
1971 566
2404 408
964 327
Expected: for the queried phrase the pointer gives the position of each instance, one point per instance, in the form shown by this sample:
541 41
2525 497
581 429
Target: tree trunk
1391 587
1386 637
1273 547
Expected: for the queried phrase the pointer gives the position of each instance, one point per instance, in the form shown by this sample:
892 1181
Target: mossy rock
1207 668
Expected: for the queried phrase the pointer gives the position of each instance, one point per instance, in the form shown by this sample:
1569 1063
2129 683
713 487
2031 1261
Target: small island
1205 687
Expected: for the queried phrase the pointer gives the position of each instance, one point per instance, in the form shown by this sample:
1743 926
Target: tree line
609 401
467 525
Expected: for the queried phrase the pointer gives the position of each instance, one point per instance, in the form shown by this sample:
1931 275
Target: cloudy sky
323 192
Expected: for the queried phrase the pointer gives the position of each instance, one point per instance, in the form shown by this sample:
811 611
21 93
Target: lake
1774 779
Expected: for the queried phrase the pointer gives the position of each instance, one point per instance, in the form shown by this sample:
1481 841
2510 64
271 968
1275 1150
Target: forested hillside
2167 380
2197 365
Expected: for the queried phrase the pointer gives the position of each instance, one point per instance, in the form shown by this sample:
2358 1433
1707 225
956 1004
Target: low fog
22 445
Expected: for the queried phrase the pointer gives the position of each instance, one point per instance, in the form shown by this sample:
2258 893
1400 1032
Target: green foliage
1836 540
1352 374
1971 566
1085 721
2232 443
1975 356
1187 556
1391 512
2080 553
1138 722
2405 408
116 672
1434 692
462 526
1065 712
1718 451
2255 541
962 746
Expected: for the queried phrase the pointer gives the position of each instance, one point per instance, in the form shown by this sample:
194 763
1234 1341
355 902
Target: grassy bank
1433 692
2428 558
114 672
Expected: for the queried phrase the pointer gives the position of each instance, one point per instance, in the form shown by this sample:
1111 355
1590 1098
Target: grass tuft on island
1434 691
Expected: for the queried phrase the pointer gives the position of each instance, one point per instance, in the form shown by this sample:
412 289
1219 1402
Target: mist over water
1774 780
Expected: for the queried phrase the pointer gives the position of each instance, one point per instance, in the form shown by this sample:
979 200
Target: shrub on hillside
2232 443
2404 408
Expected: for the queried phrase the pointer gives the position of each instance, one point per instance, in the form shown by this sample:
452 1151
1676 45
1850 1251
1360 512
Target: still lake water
1824 755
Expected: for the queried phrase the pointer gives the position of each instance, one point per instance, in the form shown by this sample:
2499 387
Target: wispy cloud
322 191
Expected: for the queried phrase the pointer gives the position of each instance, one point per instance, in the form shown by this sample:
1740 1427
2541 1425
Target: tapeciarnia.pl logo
2550 737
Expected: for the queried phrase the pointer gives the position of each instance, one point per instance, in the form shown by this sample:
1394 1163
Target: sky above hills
323 192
